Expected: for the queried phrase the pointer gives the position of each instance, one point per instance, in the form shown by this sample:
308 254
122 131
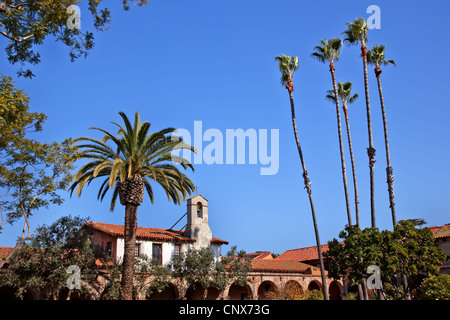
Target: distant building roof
302 254
264 262
440 231
266 255
274 265
5 251
148 233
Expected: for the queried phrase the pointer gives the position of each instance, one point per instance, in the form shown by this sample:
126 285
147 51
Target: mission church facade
162 244
267 275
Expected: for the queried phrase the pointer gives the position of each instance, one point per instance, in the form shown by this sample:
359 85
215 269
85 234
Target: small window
157 252
177 250
109 248
137 250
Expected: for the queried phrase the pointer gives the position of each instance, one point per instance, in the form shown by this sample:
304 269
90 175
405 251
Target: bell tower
197 222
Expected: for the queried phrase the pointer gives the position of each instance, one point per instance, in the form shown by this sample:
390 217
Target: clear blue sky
180 61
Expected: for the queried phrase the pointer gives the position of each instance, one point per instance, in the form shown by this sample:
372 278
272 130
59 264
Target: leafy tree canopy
408 251
31 172
435 288
200 267
27 24
43 261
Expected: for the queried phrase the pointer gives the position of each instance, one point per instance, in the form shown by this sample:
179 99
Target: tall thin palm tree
377 57
356 33
329 51
345 93
133 158
287 67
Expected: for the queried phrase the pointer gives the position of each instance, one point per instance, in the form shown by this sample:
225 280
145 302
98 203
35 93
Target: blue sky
180 61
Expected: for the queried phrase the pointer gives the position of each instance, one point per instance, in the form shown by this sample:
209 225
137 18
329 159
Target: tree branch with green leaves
28 24
31 173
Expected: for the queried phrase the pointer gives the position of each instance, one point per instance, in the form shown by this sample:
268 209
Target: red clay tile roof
260 255
441 231
218 241
302 254
4 252
148 233
281 266
433 229
265 255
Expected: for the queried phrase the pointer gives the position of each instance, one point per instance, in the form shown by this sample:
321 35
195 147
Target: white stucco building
161 244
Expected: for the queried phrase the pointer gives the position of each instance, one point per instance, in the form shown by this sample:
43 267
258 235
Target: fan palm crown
376 57
356 32
135 155
329 50
287 66
344 92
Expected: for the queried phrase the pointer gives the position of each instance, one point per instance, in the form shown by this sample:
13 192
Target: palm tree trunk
370 150
307 182
361 288
389 170
126 289
352 159
341 144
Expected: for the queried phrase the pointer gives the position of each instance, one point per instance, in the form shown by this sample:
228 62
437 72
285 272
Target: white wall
167 249
215 248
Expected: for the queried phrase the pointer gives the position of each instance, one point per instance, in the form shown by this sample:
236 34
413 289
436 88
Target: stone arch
267 290
315 285
237 292
335 290
212 293
292 290
168 293
195 292
8 293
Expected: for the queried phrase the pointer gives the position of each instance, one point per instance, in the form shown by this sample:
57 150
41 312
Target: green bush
313 295
351 296
435 288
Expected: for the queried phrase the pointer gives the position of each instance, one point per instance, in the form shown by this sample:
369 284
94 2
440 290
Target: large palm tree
345 93
133 158
356 33
329 52
287 67
377 57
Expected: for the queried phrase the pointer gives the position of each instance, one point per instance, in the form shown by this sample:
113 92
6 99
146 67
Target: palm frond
320 57
330 96
385 62
352 98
